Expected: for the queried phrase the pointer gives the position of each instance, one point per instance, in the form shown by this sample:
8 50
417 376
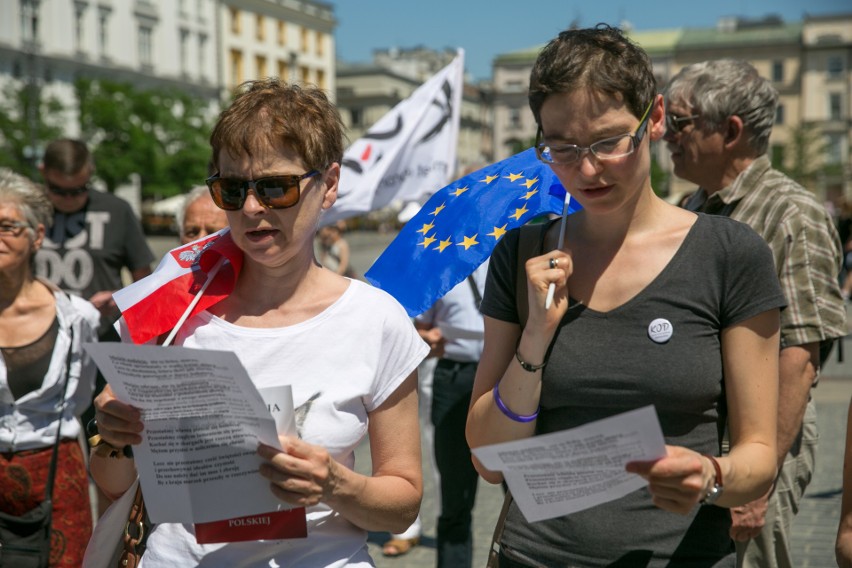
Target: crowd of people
745 273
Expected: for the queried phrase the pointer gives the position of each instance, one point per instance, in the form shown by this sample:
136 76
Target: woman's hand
119 424
302 474
678 481
554 268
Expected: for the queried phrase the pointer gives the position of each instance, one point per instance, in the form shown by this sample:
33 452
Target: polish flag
155 304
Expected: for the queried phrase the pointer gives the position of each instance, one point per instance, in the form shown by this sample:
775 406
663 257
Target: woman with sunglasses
653 305
348 350
43 372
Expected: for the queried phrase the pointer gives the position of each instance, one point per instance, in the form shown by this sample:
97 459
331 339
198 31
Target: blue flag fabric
456 230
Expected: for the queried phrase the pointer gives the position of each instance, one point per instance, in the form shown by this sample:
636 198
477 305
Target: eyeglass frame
68 192
673 121
251 184
635 139
19 228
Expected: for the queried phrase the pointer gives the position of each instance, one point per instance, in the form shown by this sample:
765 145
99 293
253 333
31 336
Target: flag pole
210 276
551 289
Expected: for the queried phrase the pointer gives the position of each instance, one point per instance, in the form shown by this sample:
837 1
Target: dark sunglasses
273 192
675 123
68 191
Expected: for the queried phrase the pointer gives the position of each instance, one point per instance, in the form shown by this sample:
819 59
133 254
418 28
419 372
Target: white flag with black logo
408 153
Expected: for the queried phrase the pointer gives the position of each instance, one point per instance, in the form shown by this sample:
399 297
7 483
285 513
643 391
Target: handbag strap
54 458
501 524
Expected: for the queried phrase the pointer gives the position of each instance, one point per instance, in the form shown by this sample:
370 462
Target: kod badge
660 330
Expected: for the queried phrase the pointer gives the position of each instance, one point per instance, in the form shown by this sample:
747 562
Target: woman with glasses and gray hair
46 379
349 351
652 305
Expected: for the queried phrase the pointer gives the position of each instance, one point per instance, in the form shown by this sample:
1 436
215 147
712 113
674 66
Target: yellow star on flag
425 228
438 209
520 212
469 242
443 244
460 190
426 242
529 194
498 232
489 179
530 182
514 177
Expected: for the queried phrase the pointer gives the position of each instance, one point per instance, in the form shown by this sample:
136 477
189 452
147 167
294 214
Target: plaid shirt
804 244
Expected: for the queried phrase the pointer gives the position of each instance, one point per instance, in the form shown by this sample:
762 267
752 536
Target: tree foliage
20 130
803 158
160 134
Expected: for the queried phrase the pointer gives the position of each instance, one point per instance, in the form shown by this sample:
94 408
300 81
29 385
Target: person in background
348 350
42 331
719 118
843 544
199 216
94 234
653 305
334 250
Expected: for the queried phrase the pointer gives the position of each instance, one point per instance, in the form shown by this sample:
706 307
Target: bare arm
843 546
798 367
388 500
118 425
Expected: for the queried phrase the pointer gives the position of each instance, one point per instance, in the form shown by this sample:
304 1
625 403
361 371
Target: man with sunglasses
718 120
94 235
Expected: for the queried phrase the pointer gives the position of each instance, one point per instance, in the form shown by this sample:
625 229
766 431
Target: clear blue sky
486 28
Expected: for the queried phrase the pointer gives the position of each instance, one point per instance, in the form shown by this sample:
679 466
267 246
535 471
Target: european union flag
456 230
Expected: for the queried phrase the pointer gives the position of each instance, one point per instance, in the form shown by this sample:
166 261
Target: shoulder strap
51 475
529 245
477 297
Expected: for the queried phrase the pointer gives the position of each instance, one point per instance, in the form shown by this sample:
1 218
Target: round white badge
660 330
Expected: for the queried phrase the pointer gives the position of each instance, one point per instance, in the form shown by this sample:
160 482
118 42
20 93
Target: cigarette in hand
551 289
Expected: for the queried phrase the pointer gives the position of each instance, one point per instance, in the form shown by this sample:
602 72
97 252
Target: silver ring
554 262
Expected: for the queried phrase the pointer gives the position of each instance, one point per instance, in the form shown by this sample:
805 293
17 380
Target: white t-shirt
342 364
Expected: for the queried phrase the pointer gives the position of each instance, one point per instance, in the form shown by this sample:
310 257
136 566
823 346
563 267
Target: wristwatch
718 487
102 447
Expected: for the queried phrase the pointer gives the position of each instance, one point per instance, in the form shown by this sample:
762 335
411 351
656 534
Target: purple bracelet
505 409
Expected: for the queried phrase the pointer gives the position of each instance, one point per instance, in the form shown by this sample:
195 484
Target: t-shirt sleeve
751 284
401 351
499 300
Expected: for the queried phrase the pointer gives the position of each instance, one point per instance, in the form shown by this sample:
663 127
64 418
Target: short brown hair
67 156
269 112
601 59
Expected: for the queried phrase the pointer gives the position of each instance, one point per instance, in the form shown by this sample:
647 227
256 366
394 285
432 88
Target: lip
596 192
261 234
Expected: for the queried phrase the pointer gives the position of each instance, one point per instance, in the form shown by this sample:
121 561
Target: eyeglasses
675 123
69 191
606 149
274 192
12 228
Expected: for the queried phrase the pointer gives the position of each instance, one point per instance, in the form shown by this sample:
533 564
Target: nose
589 164
252 206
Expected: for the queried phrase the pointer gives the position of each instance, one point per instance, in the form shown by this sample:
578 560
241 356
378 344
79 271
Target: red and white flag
153 305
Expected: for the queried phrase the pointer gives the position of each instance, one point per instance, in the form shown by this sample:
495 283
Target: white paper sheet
203 420
564 472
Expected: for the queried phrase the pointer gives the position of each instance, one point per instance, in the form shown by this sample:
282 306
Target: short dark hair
272 113
67 156
602 59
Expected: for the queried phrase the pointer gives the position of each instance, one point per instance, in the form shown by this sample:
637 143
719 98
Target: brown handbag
132 545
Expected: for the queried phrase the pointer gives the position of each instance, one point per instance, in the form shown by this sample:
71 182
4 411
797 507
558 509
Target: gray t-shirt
602 364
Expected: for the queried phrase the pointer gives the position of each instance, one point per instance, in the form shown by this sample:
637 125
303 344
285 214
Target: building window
259 31
79 29
283 71
184 51
145 47
29 20
356 115
282 32
236 66
834 148
834 67
835 106
779 114
306 75
319 43
778 71
514 118
103 32
260 65
304 40
202 56
235 21
321 79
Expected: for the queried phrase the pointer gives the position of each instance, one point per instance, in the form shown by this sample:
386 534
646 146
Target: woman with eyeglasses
653 305
348 350
46 379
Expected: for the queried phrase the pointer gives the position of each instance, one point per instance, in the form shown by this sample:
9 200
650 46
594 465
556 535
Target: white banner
408 153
